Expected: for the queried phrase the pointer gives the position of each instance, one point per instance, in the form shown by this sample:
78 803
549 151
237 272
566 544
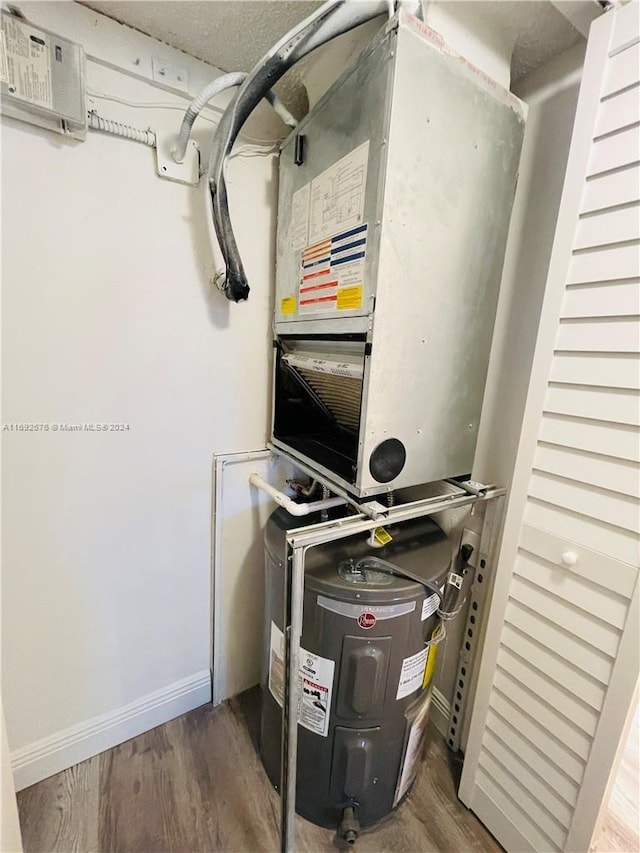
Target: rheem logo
366 620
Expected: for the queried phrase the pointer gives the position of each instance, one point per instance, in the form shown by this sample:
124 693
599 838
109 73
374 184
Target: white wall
551 94
108 317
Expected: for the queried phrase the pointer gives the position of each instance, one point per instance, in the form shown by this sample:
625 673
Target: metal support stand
475 624
298 543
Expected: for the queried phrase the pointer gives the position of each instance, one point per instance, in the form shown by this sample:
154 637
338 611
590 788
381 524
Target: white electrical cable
148 105
332 19
115 128
158 105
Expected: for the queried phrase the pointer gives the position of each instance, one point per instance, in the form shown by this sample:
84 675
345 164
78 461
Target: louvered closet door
560 662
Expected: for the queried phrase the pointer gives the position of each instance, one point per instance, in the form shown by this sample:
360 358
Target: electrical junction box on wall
394 206
41 78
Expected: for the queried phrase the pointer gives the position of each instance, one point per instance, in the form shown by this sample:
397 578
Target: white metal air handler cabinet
395 199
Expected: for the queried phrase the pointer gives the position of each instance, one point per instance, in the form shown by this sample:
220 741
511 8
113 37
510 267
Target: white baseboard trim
41 759
440 712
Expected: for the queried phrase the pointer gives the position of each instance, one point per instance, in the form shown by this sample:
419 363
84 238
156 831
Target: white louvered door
559 668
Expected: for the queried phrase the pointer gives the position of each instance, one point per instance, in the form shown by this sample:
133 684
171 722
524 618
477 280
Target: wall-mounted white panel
240 514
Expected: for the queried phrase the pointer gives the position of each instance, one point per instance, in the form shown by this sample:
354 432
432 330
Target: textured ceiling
234 34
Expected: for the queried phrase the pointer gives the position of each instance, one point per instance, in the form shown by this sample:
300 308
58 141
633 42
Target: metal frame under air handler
391 238
299 541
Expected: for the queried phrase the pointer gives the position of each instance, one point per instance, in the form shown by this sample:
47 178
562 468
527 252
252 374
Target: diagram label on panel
28 64
337 195
299 223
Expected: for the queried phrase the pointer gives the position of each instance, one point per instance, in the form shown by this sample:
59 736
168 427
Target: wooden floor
197 784
621 829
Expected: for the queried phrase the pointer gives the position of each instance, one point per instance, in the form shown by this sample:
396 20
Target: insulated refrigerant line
332 19
216 87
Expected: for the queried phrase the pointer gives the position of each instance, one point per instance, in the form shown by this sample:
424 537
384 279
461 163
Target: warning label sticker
316 684
429 606
430 667
413 751
28 63
412 673
4 68
337 195
455 580
332 272
349 298
276 664
382 536
316 675
288 305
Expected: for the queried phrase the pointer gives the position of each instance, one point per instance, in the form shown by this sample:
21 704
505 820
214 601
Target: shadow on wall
542 167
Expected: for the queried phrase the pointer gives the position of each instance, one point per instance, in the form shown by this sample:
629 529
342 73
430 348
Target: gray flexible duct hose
214 88
220 84
330 20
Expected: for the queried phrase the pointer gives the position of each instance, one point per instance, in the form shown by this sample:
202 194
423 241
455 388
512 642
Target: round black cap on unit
387 460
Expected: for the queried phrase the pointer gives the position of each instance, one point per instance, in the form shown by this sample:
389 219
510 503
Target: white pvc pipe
287 503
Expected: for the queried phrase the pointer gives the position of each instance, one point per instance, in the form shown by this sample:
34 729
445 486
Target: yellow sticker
430 665
381 535
288 305
349 297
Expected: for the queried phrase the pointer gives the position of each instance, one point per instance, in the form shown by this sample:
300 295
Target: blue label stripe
346 246
350 233
316 263
357 256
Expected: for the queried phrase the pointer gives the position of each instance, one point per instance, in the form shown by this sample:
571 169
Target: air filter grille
340 394
336 383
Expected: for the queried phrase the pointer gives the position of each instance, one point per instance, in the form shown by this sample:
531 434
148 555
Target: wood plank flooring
197 784
621 829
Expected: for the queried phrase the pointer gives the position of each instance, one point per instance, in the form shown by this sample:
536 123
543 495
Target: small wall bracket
187 172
